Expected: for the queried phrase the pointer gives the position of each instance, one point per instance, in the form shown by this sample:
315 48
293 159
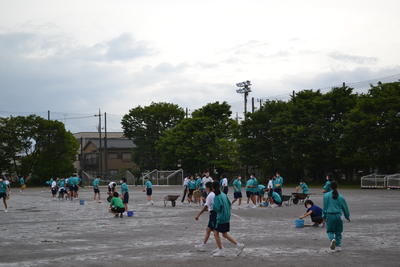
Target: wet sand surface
39 231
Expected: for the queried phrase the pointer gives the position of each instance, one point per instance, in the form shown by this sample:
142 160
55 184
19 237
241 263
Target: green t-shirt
254 185
22 181
222 206
96 182
3 187
116 202
192 184
198 183
304 187
148 184
124 188
237 185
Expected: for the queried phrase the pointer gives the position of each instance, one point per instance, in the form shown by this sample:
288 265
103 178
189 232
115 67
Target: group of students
195 189
219 207
119 201
67 188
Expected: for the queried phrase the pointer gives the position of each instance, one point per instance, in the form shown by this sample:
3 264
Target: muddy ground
38 231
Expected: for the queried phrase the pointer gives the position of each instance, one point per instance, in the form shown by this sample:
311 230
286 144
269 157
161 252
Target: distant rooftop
94 135
115 143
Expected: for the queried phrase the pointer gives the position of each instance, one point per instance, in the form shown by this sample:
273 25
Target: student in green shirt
261 192
252 190
96 189
22 183
3 193
334 206
222 206
116 205
237 190
191 187
327 186
304 187
274 198
149 191
124 193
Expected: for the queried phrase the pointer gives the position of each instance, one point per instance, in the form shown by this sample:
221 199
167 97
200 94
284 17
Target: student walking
334 206
149 191
3 193
237 190
22 184
222 206
278 184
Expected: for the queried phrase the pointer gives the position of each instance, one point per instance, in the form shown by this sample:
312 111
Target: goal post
164 177
393 181
373 181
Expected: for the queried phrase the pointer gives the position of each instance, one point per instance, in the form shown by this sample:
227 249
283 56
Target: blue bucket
130 213
82 202
299 223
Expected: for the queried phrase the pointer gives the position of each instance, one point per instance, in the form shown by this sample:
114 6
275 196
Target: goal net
157 177
393 181
373 181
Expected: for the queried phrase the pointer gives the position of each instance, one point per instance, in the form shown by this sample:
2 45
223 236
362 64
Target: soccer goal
393 181
157 177
373 181
87 178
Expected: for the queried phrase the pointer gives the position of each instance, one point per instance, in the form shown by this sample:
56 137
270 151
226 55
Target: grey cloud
352 58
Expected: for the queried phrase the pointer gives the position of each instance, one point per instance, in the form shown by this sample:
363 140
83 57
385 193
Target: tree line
36 147
340 133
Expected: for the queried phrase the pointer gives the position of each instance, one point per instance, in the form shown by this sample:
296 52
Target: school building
106 156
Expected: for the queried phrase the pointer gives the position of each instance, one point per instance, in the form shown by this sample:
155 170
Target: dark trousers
184 193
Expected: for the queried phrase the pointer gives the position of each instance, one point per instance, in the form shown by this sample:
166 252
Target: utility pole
48 115
105 147
245 90
100 147
187 113
252 105
82 158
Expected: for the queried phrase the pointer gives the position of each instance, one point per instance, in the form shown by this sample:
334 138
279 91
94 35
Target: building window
112 155
126 156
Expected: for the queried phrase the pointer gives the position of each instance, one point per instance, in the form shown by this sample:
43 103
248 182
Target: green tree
372 131
145 125
205 141
34 146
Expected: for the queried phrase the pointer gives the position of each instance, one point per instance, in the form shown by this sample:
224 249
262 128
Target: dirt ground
38 231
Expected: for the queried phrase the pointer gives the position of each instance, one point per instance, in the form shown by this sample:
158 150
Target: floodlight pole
245 90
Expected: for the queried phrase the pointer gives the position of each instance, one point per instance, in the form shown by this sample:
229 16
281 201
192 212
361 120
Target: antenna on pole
244 88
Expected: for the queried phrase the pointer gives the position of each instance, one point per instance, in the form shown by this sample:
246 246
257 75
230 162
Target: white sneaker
219 253
6 210
215 251
254 206
239 248
338 249
201 247
333 244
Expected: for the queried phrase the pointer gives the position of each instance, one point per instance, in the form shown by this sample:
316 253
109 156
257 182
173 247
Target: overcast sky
73 57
